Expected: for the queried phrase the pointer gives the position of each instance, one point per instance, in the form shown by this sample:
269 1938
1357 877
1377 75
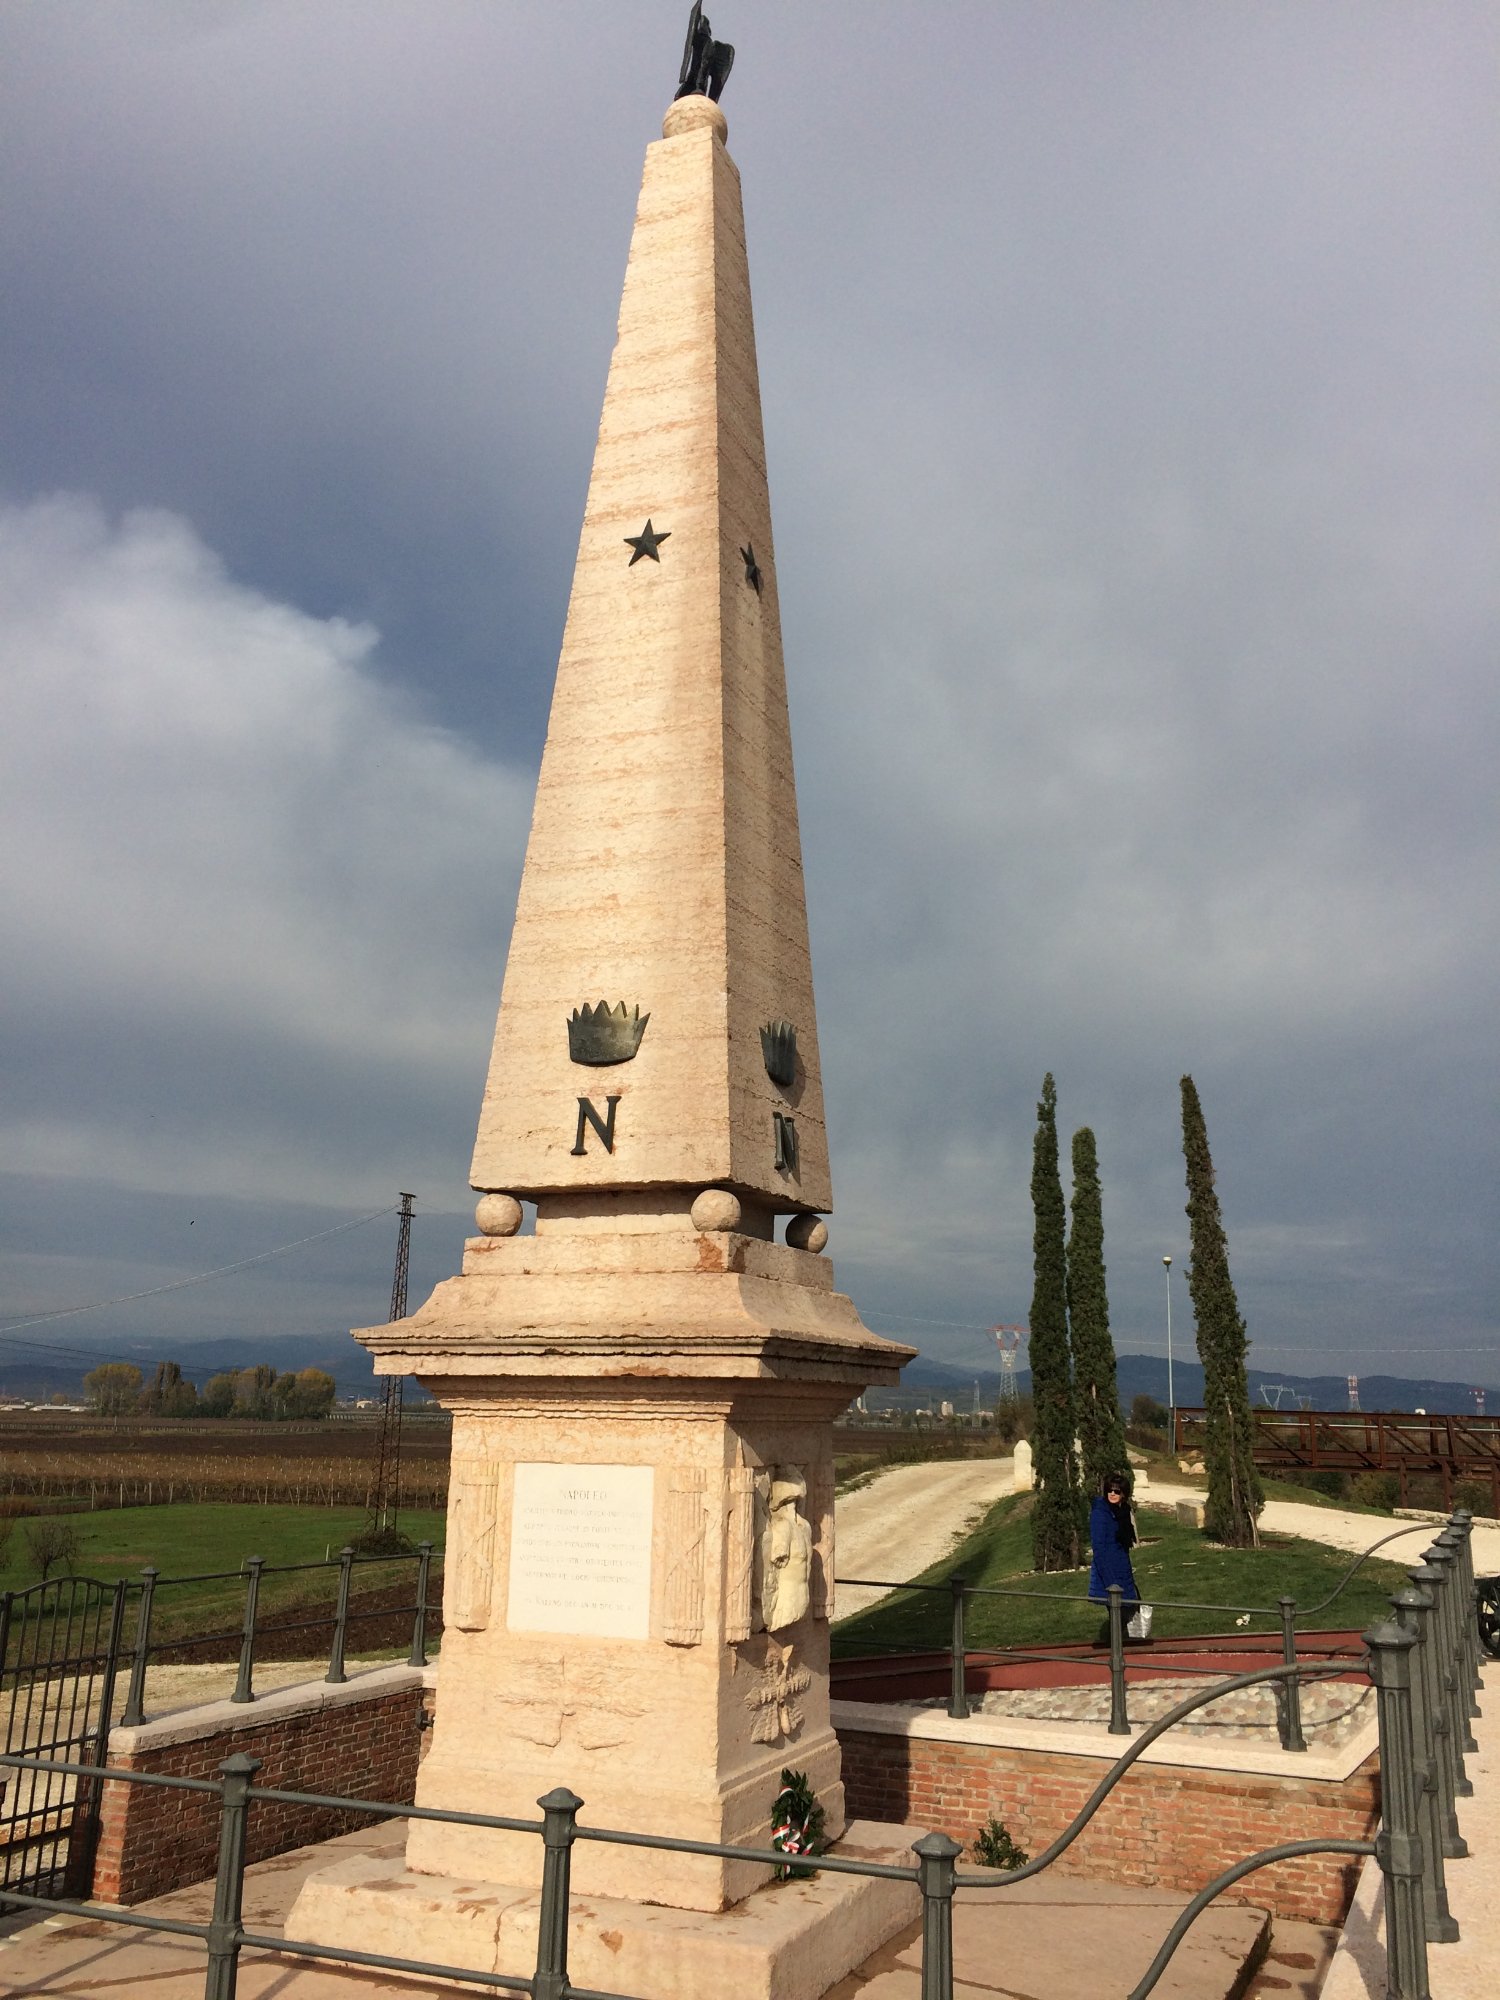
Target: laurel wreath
797 1823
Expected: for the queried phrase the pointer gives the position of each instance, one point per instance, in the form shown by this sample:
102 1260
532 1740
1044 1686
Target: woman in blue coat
1111 1536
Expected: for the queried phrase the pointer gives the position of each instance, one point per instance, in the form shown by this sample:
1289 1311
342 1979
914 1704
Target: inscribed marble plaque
580 1550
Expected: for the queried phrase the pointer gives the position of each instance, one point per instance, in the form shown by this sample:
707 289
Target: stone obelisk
639 1563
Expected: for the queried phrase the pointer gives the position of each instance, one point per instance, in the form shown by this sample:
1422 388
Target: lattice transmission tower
1008 1339
385 1495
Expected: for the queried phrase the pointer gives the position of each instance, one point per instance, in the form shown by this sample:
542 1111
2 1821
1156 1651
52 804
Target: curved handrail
1287 1851
1411 1528
1159 1728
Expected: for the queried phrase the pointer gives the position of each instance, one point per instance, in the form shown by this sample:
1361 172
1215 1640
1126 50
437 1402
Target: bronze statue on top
705 63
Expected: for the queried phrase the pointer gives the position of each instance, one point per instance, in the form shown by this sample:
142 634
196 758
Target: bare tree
51 1545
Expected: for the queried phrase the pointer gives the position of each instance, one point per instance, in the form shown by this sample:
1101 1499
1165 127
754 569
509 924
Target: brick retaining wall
362 1739
1171 1823
1172 1826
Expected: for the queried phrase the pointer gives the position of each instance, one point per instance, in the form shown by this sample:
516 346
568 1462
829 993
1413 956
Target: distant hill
925 1381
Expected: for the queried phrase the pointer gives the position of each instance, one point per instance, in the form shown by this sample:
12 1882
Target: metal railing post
1119 1718
78 1869
1413 1608
1442 1559
238 1772
937 1855
1289 1690
135 1698
1463 1530
559 1812
1463 1598
1429 1580
243 1690
958 1692
1398 1845
341 1618
418 1654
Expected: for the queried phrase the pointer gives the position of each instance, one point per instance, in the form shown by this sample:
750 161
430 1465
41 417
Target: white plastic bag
1140 1626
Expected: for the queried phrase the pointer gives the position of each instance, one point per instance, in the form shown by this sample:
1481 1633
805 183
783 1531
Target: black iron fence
1424 1665
67 1643
1287 1615
346 1617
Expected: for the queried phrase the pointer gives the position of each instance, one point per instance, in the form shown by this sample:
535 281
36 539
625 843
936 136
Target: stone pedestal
639 1571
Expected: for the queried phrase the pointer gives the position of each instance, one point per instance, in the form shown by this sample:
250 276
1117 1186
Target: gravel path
1333 1712
909 1517
1337 1529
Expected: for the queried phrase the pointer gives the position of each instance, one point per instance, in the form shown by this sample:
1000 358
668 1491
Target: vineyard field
84 1464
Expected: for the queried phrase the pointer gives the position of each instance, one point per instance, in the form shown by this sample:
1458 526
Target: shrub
383 1542
1014 1420
1376 1489
1144 1438
993 1847
1475 1495
1332 1484
1148 1413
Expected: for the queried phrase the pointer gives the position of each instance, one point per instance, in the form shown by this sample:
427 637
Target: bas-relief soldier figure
705 63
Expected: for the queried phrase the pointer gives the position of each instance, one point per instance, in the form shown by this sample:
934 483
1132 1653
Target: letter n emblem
605 1126
786 1143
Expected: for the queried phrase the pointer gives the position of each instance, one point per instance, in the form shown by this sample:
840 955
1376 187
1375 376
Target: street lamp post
1171 1395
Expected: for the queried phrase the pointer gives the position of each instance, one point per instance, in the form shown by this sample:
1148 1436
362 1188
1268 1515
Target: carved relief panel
784 1549
820 1515
739 1553
473 1520
686 1527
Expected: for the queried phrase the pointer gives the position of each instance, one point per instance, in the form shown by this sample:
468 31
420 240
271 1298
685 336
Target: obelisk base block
787 1941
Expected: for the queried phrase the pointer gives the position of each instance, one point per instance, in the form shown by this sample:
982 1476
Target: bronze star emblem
646 543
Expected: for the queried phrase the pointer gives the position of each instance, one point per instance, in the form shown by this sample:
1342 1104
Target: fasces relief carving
786 1550
686 1524
739 1553
474 1516
820 1514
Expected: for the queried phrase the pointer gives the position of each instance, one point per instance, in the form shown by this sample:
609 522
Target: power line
201 1278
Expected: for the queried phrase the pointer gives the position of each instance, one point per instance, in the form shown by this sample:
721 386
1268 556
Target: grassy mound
1173 1563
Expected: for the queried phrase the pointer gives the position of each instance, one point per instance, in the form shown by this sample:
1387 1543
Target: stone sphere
692 114
498 1214
716 1209
807 1232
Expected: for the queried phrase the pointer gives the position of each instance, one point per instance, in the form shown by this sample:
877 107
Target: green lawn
1172 1563
192 1540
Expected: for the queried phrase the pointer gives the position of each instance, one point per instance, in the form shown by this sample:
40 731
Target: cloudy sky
1131 406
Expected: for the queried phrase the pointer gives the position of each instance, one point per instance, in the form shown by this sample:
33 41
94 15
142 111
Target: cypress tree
1100 1430
1054 1520
1234 1489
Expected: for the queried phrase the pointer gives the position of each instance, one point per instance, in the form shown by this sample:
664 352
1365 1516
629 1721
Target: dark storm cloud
1131 411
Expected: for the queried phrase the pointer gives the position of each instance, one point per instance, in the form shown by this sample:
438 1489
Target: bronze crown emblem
602 1035
778 1044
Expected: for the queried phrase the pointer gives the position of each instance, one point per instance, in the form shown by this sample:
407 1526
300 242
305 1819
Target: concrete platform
786 1941
1055 1937
1040 1942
